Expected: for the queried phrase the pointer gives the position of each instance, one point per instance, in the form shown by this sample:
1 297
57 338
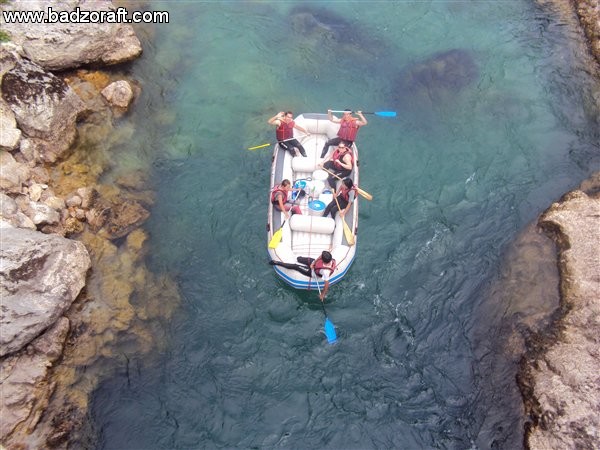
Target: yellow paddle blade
348 233
364 194
276 239
258 146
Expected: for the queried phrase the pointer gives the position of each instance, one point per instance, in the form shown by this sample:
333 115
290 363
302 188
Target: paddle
377 113
347 231
329 328
276 239
270 143
365 194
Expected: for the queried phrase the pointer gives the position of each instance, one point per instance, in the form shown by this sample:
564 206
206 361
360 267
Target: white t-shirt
325 274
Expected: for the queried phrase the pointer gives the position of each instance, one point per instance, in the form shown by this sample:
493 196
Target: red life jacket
285 131
348 129
338 156
274 192
345 192
320 265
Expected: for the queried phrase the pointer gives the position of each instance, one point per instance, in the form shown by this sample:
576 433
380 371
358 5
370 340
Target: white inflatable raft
309 234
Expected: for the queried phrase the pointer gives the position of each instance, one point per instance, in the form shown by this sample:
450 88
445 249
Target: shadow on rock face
436 79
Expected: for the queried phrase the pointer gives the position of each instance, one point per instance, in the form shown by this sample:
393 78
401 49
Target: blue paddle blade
386 113
330 331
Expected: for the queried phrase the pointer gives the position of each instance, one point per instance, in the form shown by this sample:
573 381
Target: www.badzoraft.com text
78 15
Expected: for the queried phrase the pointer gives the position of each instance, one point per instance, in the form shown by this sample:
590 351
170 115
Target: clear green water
454 177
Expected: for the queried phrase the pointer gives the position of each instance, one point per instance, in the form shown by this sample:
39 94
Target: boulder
560 380
61 46
118 94
41 275
10 135
25 390
45 107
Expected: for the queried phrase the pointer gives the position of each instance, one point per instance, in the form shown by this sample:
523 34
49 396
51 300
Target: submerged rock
333 34
41 276
560 378
443 74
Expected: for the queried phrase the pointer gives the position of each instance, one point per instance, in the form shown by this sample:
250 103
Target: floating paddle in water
329 327
377 113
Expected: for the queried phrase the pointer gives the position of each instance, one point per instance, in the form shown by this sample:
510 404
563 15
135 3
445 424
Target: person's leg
288 146
297 144
297 267
334 141
294 208
331 208
329 165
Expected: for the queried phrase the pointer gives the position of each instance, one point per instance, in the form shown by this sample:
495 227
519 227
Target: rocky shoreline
73 246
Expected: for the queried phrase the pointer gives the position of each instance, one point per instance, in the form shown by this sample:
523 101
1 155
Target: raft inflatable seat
312 224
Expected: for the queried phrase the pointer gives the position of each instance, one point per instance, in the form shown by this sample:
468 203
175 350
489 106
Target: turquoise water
474 155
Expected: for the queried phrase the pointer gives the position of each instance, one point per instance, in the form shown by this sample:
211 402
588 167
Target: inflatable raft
308 234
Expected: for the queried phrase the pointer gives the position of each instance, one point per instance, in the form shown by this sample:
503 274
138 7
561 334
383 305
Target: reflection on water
425 354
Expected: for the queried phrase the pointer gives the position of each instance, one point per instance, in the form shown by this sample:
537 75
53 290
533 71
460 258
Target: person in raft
279 198
284 121
340 163
322 267
345 197
348 128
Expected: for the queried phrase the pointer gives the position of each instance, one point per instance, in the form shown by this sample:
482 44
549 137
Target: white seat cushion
301 164
312 224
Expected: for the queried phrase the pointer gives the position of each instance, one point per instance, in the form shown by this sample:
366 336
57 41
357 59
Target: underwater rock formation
335 36
436 78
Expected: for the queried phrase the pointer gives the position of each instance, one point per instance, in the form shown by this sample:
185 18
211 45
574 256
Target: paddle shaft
266 145
364 194
347 231
377 113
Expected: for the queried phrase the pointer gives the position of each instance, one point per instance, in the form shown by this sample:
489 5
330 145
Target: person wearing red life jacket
341 162
345 197
284 121
279 198
348 128
322 267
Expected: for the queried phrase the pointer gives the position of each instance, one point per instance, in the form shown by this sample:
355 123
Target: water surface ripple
471 159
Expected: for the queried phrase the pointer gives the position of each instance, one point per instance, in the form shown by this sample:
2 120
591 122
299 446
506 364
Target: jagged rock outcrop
45 108
25 390
560 377
41 275
61 46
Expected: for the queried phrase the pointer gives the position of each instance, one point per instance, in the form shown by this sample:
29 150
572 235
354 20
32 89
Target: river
474 155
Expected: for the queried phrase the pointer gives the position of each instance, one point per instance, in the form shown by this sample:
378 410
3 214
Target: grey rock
40 276
118 93
13 173
10 135
25 391
561 381
45 107
60 46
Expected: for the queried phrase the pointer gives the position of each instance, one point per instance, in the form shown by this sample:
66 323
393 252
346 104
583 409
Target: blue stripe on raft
301 284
